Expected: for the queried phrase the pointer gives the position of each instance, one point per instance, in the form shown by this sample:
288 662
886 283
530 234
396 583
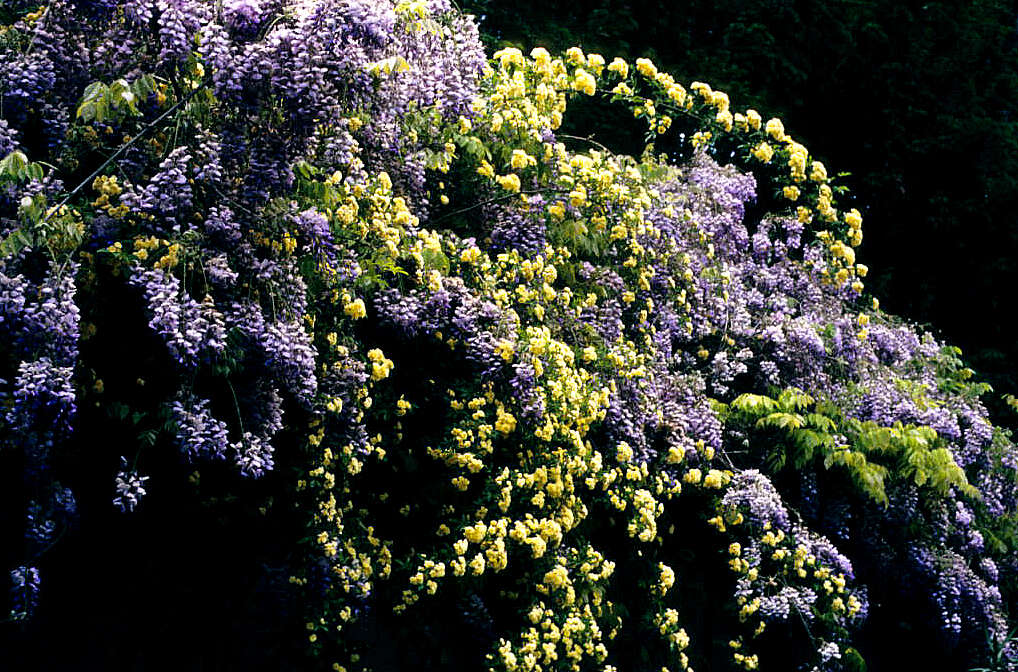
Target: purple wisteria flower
130 487
199 434
24 592
753 494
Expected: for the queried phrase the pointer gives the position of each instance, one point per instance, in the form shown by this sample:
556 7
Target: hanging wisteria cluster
601 408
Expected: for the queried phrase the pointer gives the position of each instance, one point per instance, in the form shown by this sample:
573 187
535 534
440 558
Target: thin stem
589 139
496 200
236 406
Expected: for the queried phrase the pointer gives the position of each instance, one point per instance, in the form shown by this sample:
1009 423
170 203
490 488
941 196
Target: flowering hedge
600 412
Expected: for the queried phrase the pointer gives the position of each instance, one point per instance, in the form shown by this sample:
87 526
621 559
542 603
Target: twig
496 200
589 139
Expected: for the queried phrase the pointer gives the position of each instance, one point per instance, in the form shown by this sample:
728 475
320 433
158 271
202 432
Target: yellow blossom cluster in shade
374 222
66 228
357 556
109 189
781 561
283 245
148 248
543 497
667 622
520 492
553 640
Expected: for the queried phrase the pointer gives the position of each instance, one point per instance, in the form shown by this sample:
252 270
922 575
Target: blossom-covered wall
316 299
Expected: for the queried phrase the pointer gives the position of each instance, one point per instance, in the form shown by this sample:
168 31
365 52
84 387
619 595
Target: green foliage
954 377
853 660
999 659
1011 401
113 102
869 453
15 167
58 229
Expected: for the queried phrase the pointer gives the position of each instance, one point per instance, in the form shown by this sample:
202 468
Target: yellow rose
646 68
776 129
619 66
764 152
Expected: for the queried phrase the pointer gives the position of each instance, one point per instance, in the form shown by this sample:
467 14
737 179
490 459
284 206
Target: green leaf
789 421
89 107
810 440
118 410
94 91
793 399
853 660
144 86
436 260
117 90
472 146
776 459
13 165
821 422
304 169
15 242
754 404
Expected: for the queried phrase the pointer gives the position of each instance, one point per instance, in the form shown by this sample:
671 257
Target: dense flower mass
601 408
